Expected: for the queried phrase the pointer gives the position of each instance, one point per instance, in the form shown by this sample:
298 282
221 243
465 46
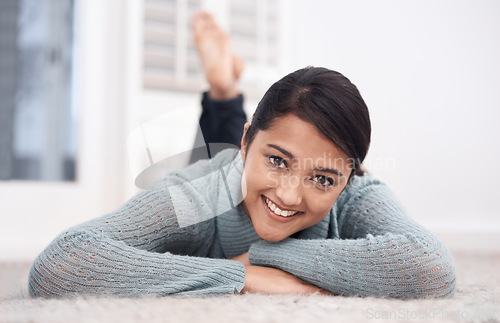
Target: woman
291 212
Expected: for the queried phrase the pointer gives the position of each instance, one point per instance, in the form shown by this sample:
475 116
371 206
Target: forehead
302 139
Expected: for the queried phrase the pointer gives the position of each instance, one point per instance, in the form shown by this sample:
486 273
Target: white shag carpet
477 299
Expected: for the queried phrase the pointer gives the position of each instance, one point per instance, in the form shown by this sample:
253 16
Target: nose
289 193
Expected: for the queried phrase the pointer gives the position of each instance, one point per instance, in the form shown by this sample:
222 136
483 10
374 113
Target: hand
243 258
266 280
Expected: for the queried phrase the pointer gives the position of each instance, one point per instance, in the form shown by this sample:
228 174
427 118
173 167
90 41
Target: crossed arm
140 250
380 252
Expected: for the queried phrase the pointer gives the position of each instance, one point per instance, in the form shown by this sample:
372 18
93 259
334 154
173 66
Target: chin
272 237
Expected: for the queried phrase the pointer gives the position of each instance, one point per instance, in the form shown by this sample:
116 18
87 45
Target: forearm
271 281
266 280
80 262
384 266
136 250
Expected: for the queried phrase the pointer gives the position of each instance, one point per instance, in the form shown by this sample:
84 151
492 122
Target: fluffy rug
477 299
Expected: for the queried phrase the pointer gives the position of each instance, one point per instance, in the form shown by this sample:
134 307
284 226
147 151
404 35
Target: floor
477 299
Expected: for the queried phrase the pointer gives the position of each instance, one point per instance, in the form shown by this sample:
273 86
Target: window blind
170 61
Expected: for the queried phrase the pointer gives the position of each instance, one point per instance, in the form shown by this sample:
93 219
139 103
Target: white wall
33 213
430 74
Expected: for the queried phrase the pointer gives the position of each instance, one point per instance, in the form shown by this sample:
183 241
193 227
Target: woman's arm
267 280
381 251
140 249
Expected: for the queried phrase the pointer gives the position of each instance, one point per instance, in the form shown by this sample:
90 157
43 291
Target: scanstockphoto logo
162 145
436 313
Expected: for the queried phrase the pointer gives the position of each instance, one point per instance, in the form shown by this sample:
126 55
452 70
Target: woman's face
292 177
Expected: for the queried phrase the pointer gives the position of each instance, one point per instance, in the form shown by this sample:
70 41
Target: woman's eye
323 180
277 161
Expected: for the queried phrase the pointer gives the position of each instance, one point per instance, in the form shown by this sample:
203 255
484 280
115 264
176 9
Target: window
170 61
37 122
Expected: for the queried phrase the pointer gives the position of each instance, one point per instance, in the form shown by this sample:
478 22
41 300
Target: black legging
220 122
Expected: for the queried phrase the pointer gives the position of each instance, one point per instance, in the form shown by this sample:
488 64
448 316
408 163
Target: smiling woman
289 212
310 132
288 189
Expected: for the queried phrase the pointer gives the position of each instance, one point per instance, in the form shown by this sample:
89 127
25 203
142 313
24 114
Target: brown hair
325 98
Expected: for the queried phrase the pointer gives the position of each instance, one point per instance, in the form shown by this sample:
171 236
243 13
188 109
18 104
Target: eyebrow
291 156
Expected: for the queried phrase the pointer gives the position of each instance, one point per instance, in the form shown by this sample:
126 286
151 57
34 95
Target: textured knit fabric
161 243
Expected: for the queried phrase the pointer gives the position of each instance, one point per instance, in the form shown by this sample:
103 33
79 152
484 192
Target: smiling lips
278 211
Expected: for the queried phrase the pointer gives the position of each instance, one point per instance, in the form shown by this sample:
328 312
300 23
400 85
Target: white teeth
277 210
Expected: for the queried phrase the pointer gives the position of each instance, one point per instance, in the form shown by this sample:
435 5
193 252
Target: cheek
250 183
255 177
322 206
244 186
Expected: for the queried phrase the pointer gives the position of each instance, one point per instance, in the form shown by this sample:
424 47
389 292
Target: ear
243 143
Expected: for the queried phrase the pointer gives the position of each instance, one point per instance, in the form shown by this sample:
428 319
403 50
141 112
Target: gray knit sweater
160 243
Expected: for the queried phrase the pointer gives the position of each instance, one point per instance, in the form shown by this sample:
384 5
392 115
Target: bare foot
222 68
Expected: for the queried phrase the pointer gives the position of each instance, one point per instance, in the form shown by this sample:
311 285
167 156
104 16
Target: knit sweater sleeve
381 251
140 249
